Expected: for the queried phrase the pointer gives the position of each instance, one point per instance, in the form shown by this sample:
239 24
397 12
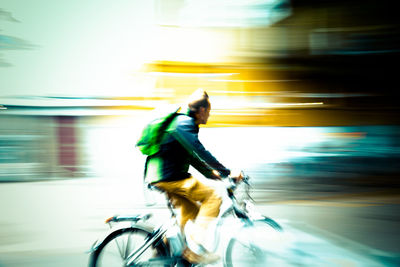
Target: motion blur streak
304 98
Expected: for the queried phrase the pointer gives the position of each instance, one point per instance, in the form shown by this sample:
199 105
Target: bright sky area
75 48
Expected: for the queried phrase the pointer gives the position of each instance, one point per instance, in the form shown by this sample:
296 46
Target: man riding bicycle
168 170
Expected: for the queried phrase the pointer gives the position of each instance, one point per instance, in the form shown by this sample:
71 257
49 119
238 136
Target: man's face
202 115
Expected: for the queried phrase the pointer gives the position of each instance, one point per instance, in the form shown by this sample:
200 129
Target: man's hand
216 174
237 175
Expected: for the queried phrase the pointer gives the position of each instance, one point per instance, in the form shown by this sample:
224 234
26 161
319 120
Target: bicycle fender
266 220
272 223
118 228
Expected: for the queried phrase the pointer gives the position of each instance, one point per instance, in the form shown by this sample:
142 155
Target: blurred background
304 98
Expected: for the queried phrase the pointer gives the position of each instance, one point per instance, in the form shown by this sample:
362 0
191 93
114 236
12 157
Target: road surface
54 223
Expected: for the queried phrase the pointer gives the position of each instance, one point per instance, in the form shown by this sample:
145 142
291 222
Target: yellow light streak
181 74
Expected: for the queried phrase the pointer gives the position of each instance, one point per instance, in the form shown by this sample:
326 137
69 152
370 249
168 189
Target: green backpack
149 142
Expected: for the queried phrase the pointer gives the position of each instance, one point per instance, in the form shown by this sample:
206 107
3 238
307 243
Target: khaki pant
196 200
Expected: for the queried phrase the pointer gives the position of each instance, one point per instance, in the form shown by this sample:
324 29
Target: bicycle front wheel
252 247
116 248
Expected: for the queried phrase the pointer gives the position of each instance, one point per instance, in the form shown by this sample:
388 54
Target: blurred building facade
264 63
288 63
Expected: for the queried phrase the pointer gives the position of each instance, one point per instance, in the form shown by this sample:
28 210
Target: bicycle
163 245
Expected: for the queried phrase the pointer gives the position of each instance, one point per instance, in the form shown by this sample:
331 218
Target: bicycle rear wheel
252 247
115 249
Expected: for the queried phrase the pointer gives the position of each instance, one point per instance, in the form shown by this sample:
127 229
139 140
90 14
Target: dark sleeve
186 133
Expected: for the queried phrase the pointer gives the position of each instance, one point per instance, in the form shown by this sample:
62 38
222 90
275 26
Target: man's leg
189 210
209 211
194 191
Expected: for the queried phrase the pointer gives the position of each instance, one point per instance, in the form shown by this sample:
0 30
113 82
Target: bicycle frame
245 214
156 235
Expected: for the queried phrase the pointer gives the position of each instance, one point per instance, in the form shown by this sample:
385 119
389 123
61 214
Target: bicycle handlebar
233 183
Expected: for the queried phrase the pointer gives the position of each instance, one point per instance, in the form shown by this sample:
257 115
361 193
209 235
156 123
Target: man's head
200 106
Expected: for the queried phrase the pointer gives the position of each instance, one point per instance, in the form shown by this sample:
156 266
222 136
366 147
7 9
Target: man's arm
186 133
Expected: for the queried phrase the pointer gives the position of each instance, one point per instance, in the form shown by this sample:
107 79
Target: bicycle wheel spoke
255 245
127 246
119 248
122 244
245 254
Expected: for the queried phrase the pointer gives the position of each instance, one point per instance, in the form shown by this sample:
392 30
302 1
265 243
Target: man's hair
198 99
